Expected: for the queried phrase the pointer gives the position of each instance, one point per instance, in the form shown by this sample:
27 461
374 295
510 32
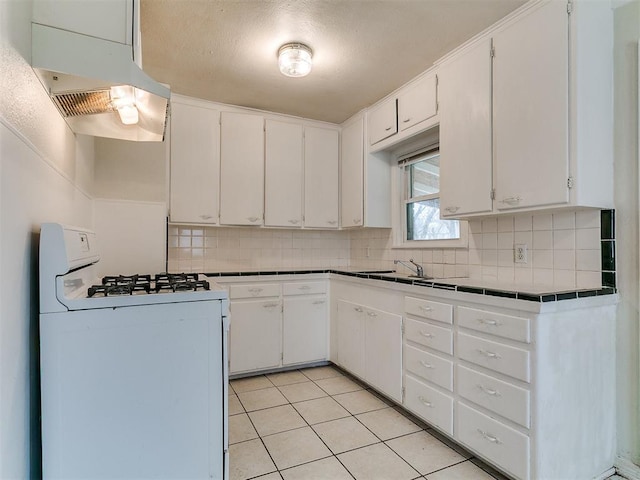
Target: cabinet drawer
497 442
501 397
256 290
515 328
428 309
501 358
304 288
430 367
438 338
383 121
429 404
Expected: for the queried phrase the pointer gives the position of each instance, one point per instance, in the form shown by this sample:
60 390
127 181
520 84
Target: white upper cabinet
241 169
351 185
283 174
542 137
418 102
531 109
321 174
195 164
465 132
383 121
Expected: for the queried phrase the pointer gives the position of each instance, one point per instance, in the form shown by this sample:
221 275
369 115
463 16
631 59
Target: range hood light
128 114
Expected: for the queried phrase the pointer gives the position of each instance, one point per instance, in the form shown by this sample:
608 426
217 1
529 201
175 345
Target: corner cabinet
195 164
321 176
532 101
241 169
283 174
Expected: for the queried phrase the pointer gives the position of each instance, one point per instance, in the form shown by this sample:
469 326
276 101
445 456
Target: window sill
427 244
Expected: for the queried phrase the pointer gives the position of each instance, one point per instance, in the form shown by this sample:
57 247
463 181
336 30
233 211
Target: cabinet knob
318 302
425 402
406 120
489 322
271 305
425 364
253 219
387 129
255 290
426 334
294 222
358 309
452 209
488 354
332 222
205 217
488 391
304 287
356 221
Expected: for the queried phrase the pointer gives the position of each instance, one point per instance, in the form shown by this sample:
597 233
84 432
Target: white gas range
133 368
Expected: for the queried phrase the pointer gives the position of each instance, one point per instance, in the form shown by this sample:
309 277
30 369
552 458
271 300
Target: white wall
627 33
45 175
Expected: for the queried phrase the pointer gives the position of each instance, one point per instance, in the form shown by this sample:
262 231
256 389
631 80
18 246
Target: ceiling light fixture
294 59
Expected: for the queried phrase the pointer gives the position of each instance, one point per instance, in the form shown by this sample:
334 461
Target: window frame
400 196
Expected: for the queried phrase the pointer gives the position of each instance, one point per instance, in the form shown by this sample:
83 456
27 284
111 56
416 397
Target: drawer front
430 367
429 404
428 309
515 328
431 336
500 397
257 290
501 358
497 442
304 288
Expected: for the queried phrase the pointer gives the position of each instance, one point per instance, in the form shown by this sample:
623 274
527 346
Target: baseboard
627 469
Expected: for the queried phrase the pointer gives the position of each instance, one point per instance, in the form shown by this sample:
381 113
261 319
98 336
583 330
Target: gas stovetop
116 285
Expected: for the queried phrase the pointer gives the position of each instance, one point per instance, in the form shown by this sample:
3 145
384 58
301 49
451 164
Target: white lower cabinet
304 329
370 346
255 337
275 324
433 406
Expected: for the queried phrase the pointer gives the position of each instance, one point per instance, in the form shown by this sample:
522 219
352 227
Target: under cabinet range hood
97 86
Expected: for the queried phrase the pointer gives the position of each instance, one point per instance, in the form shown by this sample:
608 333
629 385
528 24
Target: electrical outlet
520 253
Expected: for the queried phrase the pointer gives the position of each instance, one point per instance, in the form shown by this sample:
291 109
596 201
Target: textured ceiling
225 51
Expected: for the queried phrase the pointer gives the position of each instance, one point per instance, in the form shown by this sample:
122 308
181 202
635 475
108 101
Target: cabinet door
418 102
195 164
531 108
383 352
351 337
465 133
255 335
321 167
351 186
283 174
383 121
241 169
304 331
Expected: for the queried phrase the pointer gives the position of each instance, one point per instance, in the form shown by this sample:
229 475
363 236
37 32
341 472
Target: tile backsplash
564 250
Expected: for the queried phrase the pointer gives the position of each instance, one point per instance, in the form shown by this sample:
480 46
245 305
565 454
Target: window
420 204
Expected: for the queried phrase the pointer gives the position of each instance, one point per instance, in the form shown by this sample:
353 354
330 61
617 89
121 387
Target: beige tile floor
320 423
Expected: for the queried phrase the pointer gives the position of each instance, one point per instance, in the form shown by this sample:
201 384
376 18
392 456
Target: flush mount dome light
294 59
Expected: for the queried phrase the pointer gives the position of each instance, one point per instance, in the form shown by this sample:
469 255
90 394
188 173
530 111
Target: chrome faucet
417 269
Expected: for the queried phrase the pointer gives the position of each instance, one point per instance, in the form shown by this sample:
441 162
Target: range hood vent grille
83 103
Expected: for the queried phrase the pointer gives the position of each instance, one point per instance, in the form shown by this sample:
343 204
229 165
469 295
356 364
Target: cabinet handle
511 200
294 222
372 314
452 209
426 334
358 309
271 305
489 437
488 354
318 302
425 364
425 402
357 220
406 120
255 290
253 219
304 287
205 217
425 309
488 391
492 323
332 222
387 129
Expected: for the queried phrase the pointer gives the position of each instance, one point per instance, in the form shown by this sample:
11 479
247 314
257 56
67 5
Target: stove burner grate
129 284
